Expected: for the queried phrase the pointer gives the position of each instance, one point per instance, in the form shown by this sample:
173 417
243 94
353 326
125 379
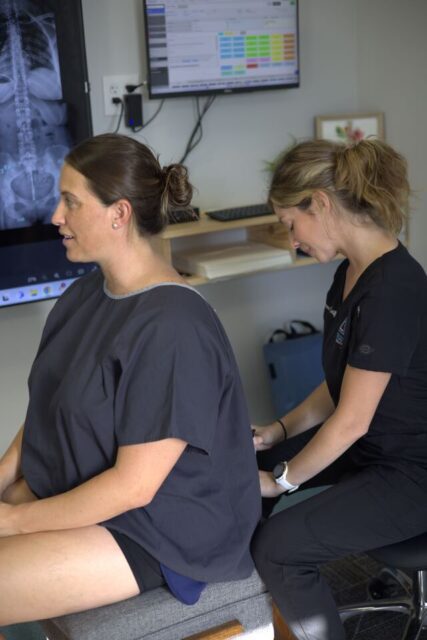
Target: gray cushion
159 616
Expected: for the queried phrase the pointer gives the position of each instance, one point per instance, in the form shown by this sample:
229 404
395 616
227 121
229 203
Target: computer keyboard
176 216
237 213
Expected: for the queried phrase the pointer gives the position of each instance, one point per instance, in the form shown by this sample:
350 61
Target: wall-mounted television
44 111
197 47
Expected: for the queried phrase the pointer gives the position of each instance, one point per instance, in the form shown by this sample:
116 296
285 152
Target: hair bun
374 178
177 190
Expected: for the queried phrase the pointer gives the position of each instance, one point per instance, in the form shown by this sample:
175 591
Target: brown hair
117 166
368 178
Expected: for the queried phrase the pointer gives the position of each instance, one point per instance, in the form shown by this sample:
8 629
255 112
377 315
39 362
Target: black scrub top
122 370
382 326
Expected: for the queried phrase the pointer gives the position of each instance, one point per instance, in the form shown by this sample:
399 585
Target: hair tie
167 172
282 424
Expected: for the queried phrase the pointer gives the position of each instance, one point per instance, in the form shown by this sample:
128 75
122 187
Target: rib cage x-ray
33 117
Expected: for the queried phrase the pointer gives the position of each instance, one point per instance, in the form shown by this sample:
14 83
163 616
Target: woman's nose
57 217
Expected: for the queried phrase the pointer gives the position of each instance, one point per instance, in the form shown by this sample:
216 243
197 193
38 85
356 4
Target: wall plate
114 87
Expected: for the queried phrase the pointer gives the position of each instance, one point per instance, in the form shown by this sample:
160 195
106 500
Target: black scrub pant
367 507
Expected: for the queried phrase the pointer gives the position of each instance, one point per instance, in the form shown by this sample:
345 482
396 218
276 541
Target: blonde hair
368 178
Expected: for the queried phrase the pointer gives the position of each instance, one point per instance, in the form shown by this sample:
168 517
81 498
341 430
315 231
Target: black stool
409 555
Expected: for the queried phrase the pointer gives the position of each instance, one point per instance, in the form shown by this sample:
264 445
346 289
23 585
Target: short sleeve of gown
172 381
386 333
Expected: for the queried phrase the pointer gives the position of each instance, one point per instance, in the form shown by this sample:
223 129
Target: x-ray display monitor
44 111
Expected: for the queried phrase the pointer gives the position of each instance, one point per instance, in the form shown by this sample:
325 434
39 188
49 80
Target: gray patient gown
121 370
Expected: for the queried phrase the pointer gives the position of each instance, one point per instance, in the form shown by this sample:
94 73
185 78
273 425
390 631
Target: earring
115 225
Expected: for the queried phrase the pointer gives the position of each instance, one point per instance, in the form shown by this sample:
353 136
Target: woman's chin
323 258
73 256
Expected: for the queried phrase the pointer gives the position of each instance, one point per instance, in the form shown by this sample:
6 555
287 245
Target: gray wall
392 60
356 55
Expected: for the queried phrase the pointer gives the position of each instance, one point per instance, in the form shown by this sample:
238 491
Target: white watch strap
288 486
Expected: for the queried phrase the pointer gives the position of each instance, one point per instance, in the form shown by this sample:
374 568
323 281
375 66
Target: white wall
20 330
392 59
241 131
343 69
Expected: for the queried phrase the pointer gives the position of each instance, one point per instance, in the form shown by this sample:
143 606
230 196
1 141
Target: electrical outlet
114 87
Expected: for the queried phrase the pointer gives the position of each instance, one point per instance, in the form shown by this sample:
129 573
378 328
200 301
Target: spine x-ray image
33 133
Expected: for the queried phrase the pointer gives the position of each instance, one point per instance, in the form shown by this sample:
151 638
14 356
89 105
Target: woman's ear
121 212
320 203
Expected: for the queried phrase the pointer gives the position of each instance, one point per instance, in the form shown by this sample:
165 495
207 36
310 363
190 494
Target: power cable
197 133
119 101
159 108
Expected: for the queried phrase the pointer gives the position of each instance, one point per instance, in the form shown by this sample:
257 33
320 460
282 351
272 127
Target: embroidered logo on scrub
341 333
332 311
365 349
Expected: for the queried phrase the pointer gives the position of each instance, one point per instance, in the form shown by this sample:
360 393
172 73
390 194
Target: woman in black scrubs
371 445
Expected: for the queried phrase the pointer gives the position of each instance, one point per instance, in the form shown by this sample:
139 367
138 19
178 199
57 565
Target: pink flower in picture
348 134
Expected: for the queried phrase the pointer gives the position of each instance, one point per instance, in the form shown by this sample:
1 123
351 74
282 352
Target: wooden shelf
265 229
208 225
195 280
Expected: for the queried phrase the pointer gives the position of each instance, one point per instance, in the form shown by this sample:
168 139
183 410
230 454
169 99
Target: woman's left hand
7 527
269 487
267 436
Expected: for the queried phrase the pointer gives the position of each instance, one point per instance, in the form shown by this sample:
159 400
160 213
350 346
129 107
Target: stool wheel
380 588
389 583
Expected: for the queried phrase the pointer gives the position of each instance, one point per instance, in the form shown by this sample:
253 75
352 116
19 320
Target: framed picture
351 127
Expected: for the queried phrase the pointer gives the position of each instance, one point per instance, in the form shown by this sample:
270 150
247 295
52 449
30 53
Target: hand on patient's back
264 437
269 487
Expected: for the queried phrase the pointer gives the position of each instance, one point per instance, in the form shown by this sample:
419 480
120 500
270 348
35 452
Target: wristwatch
279 473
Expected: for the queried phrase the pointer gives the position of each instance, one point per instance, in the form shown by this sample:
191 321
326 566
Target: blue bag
294 361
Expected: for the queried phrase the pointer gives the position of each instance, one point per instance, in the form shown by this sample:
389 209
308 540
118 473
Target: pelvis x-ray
33 117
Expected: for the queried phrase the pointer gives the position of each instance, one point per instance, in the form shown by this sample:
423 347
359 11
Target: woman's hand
5 483
269 487
10 463
266 437
18 492
6 520
15 494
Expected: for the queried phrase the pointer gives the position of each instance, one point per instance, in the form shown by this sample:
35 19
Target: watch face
278 470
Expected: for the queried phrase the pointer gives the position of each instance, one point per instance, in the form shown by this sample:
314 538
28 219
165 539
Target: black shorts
144 567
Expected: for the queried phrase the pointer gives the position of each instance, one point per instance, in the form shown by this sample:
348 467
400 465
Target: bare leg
53 573
52 560
17 493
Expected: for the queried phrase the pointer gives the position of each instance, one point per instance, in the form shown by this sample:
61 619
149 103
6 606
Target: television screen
44 111
196 47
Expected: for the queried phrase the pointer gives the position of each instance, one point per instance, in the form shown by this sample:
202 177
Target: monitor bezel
76 93
210 92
